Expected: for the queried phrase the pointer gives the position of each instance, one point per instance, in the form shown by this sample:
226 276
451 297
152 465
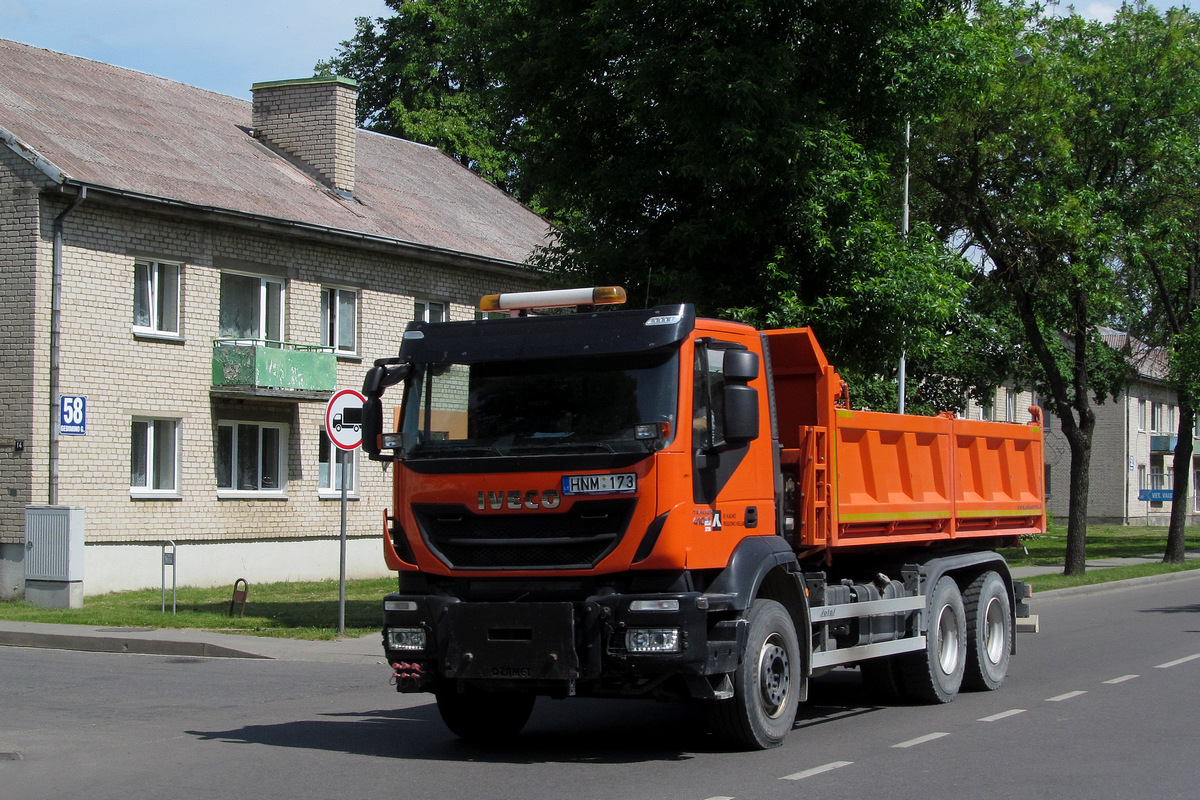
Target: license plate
624 483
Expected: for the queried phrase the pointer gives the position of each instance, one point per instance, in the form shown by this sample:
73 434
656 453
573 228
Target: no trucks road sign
343 419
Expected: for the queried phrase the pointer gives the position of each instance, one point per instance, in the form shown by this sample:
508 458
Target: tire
767 684
935 675
990 632
479 716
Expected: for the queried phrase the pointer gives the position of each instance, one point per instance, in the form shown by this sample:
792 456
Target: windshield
610 404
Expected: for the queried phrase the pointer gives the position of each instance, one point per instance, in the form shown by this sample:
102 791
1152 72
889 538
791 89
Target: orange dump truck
642 503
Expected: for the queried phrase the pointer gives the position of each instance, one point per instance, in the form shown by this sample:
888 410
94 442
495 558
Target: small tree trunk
1081 455
1183 468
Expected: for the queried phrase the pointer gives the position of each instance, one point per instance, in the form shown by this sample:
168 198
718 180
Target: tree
423 76
739 155
1032 165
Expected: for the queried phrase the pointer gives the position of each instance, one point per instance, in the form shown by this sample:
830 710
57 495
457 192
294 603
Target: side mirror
385 373
739 366
741 414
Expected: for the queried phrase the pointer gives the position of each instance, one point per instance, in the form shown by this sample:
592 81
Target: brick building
1133 445
186 279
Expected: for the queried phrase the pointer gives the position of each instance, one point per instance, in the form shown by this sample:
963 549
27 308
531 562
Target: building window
429 311
154 456
1156 422
1047 473
1010 405
251 457
156 297
1142 414
251 308
339 319
331 461
987 411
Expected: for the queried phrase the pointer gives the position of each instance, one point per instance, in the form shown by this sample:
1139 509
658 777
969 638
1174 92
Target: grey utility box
54 556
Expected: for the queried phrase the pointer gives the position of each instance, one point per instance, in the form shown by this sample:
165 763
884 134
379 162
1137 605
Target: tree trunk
1080 441
1183 469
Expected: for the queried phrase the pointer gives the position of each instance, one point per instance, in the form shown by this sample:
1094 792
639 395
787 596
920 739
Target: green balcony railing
268 364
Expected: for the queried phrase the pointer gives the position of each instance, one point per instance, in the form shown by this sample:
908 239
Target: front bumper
561 647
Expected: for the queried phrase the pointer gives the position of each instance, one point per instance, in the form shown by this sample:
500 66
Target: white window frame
1142 414
159 286
329 484
264 283
146 442
1010 404
422 309
331 320
232 425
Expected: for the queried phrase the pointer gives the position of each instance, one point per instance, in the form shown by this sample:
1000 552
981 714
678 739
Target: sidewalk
1098 563
190 642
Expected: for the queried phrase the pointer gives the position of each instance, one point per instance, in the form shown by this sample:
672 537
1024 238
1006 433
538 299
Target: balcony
266 368
1162 443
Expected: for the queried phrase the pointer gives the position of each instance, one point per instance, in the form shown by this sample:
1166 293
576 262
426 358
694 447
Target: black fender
766 566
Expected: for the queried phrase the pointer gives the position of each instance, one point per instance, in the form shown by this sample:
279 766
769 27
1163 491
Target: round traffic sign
343 419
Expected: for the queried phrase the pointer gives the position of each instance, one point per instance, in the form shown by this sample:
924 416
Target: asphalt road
1101 704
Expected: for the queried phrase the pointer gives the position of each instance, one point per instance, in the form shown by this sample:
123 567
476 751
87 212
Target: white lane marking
719 798
1177 661
1012 712
808 773
1066 696
929 737
1123 678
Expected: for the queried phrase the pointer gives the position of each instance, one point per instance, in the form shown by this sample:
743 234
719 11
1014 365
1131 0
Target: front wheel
483 716
935 675
990 628
766 685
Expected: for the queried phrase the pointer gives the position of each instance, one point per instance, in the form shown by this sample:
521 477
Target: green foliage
744 156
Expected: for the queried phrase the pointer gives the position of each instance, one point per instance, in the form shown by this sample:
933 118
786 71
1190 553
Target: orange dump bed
866 478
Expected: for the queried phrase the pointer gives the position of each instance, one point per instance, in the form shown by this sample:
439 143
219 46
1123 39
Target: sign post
343 423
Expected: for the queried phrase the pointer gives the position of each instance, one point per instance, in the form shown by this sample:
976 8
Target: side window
339 319
251 308
429 311
707 396
156 297
251 457
331 462
154 456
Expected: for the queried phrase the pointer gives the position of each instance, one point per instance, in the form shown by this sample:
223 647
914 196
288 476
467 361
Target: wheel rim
948 645
774 675
994 638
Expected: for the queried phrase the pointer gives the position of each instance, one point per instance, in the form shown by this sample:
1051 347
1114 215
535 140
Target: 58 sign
72 414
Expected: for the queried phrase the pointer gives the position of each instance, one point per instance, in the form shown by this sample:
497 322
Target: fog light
653 640
406 638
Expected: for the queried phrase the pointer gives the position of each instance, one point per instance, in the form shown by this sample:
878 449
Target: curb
121 644
1116 586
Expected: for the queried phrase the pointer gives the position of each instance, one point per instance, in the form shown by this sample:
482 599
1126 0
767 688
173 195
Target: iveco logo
517 499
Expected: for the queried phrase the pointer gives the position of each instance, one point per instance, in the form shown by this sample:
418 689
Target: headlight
399 605
654 605
653 640
406 638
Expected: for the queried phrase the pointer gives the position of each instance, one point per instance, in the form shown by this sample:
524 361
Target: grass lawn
310 610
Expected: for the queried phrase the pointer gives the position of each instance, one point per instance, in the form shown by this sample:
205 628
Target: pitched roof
135 133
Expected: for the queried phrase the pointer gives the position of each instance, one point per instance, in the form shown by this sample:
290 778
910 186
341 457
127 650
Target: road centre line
1012 712
1177 661
1123 678
808 773
929 737
1066 696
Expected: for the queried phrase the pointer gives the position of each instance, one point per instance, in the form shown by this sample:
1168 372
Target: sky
224 46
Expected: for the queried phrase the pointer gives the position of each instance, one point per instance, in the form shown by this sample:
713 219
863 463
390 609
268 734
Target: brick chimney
311 119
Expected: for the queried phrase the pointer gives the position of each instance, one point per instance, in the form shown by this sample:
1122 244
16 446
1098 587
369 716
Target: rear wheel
767 683
483 716
935 675
990 628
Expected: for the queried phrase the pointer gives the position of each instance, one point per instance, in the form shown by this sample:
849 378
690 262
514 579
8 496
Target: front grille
576 539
